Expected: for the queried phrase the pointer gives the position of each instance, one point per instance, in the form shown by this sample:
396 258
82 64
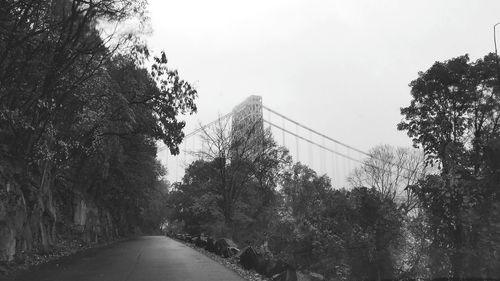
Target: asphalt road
148 258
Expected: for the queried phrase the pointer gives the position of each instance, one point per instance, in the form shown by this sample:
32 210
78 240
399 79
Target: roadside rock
287 275
311 276
274 267
211 245
248 258
226 248
316 276
232 263
200 241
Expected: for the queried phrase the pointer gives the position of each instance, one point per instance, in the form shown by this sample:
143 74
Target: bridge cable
338 142
194 132
331 150
314 131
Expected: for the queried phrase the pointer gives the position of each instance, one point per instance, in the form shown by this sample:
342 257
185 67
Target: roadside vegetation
80 115
83 105
428 212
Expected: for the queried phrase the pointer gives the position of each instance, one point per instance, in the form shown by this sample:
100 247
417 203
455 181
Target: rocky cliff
32 219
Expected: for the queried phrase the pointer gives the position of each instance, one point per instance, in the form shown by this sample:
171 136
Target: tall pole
495 37
496 51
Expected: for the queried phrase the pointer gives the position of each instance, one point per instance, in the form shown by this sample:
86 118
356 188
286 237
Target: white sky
340 67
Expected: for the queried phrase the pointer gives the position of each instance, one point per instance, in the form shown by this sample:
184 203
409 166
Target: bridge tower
247 128
248 112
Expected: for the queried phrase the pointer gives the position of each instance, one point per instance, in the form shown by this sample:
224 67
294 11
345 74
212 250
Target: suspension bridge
322 153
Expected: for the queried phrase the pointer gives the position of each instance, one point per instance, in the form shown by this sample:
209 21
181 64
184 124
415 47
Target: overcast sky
340 67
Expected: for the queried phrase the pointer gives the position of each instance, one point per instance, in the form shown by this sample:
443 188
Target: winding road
148 258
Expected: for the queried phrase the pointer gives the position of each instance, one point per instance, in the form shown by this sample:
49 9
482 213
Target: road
148 258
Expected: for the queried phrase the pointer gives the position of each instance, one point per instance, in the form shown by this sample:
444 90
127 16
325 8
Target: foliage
454 110
242 157
454 116
231 190
343 234
80 114
194 203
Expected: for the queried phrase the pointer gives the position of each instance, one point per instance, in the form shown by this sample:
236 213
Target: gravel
231 263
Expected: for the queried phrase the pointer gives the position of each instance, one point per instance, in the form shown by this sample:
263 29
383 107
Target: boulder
288 275
261 264
249 258
230 252
316 276
274 267
200 241
225 247
188 238
301 276
309 276
3 270
211 245
252 258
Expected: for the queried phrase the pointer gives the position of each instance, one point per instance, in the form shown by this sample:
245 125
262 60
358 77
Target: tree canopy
80 115
454 116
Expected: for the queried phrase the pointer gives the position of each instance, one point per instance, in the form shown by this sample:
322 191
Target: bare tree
391 170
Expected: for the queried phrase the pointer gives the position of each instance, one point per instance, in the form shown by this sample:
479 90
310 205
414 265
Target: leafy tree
454 116
342 234
240 156
80 116
454 107
49 49
195 202
304 190
231 189
378 235
115 132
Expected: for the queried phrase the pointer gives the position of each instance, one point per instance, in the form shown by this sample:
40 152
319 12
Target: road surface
148 258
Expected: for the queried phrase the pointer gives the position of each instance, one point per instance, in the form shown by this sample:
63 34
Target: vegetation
231 190
80 116
79 119
409 214
454 116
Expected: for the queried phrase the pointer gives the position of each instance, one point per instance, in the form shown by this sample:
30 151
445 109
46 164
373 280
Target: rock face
29 213
91 222
27 216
